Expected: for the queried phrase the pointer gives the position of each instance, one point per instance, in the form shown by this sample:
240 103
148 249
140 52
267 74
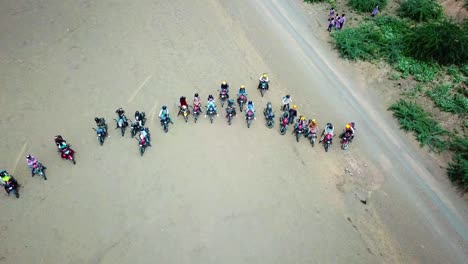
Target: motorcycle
327 141
312 135
11 186
241 101
284 122
122 123
263 86
211 112
270 119
299 130
223 97
185 112
165 124
249 117
101 134
68 154
142 143
38 169
196 112
345 140
229 114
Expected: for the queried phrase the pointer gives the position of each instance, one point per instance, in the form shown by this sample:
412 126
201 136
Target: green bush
458 168
381 38
445 99
366 5
413 118
421 71
443 41
420 10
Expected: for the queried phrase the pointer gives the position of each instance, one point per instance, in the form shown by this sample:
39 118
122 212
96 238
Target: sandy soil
205 193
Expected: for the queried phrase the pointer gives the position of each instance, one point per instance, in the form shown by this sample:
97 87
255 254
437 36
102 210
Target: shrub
444 99
413 118
420 10
366 5
421 71
444 41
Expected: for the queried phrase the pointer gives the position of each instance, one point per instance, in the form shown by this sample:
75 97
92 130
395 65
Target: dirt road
204 193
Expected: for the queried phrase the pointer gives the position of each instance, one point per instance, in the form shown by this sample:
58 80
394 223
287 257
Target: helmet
164 107
242 87
265 75
28 156
230 101
268 105
285 114
224 83
182 97
314 122
347 126
96 119
302 118
3 173
141 128
184 107
294 107
288 96
196 94
210 96
137 113
250 102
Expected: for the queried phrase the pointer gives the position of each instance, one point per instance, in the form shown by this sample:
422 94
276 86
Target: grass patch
414 119
447 100
458 168
413 92
421 71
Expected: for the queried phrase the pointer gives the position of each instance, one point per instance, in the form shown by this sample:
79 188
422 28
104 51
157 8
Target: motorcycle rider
292 114
197 101
286 101
263 79
182 103
329 129
312 127
349 128
269 114
144 134
140 118
164 113
231 106
211 104
121 116
101 123
300 122
224 87
250 106
242 91
7 180
58 140
31 161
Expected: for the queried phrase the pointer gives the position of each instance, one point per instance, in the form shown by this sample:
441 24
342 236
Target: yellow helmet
302 118
242 86
314 122
294 107
348 126
223 83
265 75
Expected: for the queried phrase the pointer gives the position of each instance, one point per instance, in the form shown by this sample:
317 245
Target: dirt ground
205 193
